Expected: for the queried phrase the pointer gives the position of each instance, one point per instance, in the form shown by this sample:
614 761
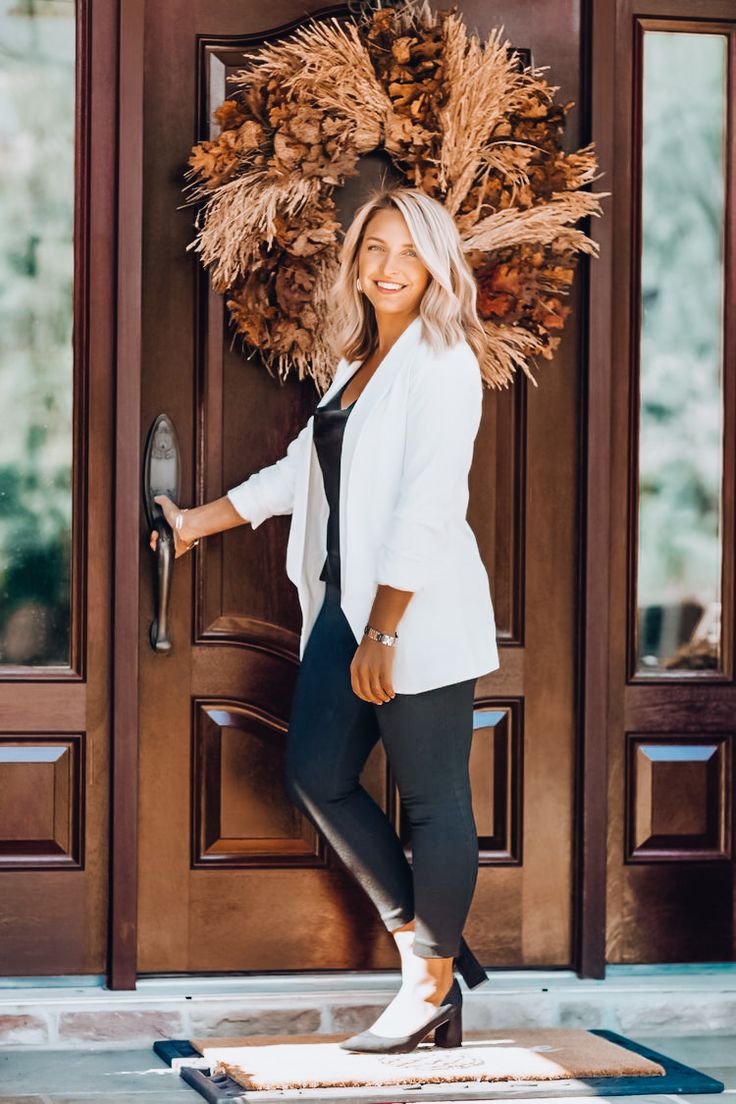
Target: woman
398 620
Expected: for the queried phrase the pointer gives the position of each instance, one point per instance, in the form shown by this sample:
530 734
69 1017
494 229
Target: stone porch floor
135 1076
78 1041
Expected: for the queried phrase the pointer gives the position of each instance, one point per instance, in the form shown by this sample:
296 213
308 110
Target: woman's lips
389 291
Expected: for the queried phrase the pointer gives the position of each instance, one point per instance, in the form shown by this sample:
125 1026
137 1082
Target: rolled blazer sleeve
444 411
270 491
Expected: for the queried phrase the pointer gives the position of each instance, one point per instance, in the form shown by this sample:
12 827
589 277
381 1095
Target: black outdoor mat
679 1078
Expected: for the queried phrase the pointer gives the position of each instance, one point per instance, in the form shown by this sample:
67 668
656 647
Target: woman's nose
391 269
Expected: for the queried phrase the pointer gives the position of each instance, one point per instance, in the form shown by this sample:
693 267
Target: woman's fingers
357 678
168 508
379 694
382 681
354 683
364 685
370 676
180 548
387 684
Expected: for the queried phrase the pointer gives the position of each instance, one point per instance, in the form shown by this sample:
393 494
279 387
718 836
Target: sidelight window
37 100
681 352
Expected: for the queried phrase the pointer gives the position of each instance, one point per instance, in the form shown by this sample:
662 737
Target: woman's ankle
428 978
409 926
404 939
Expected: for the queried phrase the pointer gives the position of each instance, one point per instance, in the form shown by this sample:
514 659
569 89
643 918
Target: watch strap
389 639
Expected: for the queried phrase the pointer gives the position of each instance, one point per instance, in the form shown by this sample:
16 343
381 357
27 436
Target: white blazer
406 454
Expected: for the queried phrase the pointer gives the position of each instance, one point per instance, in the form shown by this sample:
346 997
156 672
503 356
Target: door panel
673 474
55 488
242 880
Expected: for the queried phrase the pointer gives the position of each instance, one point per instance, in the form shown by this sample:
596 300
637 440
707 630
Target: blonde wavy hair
448 306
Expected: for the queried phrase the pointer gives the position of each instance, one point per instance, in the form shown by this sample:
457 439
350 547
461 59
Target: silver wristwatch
389 639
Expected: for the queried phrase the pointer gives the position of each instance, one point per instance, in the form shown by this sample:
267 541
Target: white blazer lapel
396 359
311 487
341 374
307 477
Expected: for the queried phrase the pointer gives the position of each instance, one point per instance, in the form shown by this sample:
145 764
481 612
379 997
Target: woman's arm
270 491
267 492
199 521
388 608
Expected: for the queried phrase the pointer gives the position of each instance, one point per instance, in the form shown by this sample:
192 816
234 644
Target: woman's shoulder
452 362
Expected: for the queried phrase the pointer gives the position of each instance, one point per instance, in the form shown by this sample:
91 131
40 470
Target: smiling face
391 274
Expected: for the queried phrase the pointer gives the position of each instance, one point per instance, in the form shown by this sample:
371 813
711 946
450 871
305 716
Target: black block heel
445 1021
468 966
450 1033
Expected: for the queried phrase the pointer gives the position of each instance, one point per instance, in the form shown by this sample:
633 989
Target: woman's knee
445 812
308 783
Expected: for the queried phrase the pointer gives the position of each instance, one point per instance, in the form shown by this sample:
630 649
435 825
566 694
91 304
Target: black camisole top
327 433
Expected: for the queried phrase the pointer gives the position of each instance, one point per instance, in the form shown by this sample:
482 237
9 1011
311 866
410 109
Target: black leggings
427 739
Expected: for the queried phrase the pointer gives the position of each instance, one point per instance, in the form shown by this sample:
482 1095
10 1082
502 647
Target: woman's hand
370 671
182 537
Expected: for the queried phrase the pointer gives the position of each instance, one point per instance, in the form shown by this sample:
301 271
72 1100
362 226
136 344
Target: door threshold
631 978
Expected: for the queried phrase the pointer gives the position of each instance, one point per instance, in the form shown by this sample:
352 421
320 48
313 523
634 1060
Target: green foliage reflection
36 279
680 443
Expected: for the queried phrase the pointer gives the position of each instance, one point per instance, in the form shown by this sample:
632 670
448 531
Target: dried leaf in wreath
459 119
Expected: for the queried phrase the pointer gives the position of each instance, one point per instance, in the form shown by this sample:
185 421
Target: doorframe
598 32
118 33
128 33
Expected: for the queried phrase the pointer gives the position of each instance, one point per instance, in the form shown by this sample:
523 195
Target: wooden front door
230 876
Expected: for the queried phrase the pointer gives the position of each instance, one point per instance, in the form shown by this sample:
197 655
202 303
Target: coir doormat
491 1065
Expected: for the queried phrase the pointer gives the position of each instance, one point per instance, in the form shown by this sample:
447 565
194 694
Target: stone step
60 1013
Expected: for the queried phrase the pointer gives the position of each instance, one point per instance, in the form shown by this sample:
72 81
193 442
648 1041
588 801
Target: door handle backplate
161 475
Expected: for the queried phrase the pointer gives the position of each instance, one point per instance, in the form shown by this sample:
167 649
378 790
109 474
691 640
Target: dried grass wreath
459 118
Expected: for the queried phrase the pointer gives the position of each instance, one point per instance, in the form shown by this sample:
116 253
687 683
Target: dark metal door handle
161 475
158 633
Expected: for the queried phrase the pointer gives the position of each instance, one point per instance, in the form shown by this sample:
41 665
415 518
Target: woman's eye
408 252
